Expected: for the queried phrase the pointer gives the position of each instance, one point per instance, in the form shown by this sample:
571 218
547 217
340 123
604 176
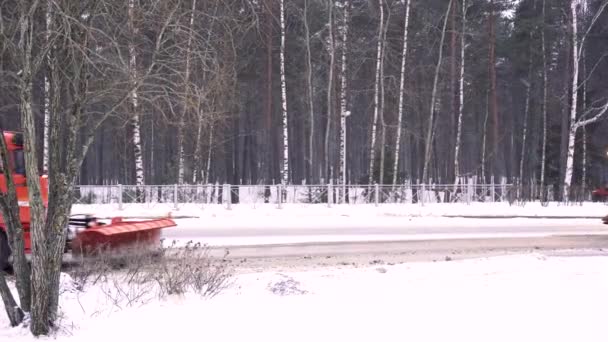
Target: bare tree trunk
269 82
461 94
135 125
430 130
9 207
382 101
330 86
372 151
47 93
573 109
14 313
545 90
344 113
526 114
42 271
584 142
496 156
285 172
401 90
485 137
310 95
185 104
209 152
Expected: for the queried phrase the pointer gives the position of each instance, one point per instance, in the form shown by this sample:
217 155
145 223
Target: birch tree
590 116
285 172
401 92
330 86
463 48
186 101
524 134
71 127
543 161
135 120
431 125
344 112
372 151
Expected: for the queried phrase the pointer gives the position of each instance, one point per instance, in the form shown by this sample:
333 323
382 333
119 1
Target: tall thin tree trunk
382 101
269 83
372 152
431 125
454 96
485 138
135 124
573 109
330 86
285 173
185 104
496 157
526 114
461 95
401 90
310 96
344 113
545 90
209 152
584 109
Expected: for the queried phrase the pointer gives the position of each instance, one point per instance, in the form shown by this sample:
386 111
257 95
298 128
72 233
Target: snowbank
516 298
554 209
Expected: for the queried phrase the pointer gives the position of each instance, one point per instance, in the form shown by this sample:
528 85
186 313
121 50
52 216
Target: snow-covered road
272 230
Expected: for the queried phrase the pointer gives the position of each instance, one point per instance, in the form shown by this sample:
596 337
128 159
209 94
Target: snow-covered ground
530 297
302 211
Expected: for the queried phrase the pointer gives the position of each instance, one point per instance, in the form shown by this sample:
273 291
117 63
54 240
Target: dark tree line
209 93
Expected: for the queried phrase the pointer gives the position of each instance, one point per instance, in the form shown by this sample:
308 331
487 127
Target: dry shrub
136 274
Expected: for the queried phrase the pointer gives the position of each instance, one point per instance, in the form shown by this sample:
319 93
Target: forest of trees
270 91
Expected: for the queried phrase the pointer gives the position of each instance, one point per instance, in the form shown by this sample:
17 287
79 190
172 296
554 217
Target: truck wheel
5 252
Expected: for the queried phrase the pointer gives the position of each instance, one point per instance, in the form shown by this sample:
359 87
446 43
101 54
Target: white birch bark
180 133
575 124
382 101
545 87
344 113
461 95
584 105
401 90
135 121
285 171
372 152
330 85
430 131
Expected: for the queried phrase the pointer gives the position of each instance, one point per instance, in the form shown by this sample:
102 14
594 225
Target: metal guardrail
328 194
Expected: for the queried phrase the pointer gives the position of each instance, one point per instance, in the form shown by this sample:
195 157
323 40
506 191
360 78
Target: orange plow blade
119 234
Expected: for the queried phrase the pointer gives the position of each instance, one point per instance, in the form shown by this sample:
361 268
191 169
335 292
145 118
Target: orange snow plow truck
83 234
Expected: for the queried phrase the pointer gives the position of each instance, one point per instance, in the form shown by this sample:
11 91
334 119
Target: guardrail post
119 196
280 196
377 194
175 197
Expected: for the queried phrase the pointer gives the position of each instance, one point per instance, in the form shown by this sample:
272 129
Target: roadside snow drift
516 298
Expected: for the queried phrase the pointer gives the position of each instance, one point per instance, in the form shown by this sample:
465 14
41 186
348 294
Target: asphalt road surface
288 247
